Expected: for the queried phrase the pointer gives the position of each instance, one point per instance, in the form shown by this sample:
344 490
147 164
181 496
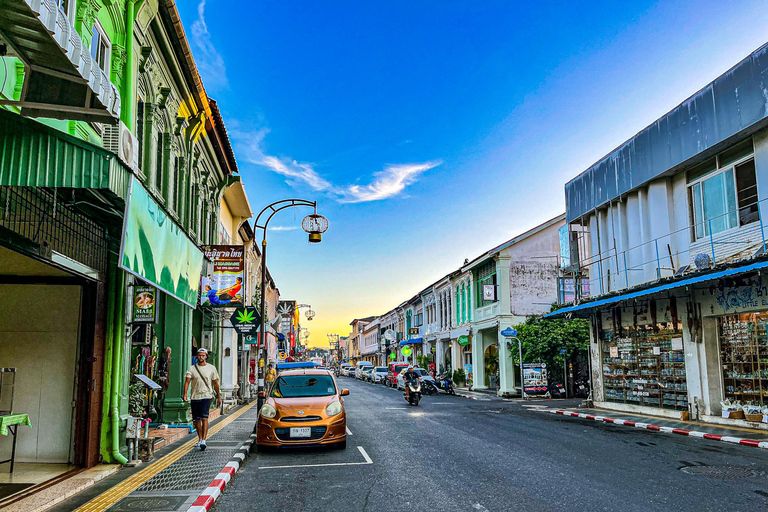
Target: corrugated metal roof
584 307
35 155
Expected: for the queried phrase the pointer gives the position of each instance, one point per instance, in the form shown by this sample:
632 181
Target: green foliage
542 340
136 399
459 378
423 361
492 363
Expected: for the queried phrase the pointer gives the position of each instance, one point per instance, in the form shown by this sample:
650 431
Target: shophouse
442 327
460 283
388 322
102 230
665 247
356 337
509 283
369 349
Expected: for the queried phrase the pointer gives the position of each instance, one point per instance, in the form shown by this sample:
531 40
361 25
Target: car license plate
301 432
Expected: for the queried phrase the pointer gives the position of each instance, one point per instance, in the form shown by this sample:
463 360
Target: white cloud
208 60
283 228
387 183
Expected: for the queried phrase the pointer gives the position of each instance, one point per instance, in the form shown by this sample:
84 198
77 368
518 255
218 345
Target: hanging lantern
315 225
310 314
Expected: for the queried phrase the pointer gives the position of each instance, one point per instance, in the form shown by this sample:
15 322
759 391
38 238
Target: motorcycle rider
408 377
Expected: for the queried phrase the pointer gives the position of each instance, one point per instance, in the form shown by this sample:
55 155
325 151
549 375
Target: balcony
62 81
694 248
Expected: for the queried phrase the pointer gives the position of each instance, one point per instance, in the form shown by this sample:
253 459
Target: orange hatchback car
303 407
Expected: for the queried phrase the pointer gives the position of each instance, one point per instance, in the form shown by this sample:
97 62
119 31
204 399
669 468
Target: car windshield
293 386
380 369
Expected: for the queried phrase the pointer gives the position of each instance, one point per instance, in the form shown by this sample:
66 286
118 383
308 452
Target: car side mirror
262 394
344 392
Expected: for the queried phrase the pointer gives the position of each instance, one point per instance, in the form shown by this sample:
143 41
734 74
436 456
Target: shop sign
225 287
463 341
246 320
535 381
144 304
157 250
413 330
489 292
468 371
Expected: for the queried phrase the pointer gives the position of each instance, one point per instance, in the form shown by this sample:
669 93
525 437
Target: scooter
428 388
445 384
557 391
414 396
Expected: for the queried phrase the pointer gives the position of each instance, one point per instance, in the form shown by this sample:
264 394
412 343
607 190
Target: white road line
349 432
479 507
442 403
368 461
396 408
365 455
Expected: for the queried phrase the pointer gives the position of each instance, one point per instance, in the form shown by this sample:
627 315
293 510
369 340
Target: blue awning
410 342
656 289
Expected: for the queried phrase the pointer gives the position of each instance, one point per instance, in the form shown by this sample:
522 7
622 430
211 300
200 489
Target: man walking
204 379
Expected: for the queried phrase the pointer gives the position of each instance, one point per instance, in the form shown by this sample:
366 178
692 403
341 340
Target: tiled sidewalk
174 481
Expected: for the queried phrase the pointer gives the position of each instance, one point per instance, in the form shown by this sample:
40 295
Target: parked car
379 374
303 407
366 373
359 368
421 371
393 369
344 370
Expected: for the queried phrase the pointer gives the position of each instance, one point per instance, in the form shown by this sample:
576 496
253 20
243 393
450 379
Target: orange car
303 407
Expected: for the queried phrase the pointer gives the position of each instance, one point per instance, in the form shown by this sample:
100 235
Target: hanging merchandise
744 358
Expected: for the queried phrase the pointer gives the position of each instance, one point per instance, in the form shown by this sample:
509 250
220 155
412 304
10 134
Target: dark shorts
200 408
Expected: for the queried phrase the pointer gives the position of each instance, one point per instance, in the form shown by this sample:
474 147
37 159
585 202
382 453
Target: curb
211 493
657 428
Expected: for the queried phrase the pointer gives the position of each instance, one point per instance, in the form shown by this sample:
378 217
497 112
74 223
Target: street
452 453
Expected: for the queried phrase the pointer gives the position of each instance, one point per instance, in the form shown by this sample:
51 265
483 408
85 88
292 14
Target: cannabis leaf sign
245 320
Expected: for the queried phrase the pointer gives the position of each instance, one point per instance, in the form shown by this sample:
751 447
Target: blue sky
431 131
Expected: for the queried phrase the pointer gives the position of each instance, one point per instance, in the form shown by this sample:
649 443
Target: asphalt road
452 453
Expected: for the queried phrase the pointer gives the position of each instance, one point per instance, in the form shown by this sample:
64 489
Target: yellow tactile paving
107 499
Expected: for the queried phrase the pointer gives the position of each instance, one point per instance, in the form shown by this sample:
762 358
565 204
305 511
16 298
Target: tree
543 339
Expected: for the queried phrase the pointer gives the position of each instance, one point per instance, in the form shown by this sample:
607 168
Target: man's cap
203 350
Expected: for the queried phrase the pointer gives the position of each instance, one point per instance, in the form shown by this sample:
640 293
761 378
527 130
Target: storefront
744 357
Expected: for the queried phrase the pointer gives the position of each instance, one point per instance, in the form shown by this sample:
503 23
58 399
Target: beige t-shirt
197 387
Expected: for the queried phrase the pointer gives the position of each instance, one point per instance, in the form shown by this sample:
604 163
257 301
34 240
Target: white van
344 369
359 368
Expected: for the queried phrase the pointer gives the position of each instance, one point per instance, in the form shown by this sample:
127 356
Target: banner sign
225 288
155 249
144 304
463 340
246 320
535 378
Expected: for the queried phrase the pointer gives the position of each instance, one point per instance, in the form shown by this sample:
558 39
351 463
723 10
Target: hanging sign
246 320
489 292
225 288
535 378
406 350
463 340
392 356
144 304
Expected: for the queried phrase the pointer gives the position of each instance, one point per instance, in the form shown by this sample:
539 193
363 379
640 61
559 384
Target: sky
431 131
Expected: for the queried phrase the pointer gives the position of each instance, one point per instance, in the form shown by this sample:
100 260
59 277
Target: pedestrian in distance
271 374
201 380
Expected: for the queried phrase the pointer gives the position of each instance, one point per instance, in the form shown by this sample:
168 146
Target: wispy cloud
283 228
387 183
208 60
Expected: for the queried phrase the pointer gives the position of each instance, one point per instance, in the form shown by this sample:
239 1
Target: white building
666 236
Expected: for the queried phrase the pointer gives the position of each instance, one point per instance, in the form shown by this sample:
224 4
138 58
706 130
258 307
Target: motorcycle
428 388
557 391
414 396
445 384
582 388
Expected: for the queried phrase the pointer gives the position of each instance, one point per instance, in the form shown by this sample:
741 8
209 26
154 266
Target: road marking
396 408
442 403
479 507
368 461
365 455
349 432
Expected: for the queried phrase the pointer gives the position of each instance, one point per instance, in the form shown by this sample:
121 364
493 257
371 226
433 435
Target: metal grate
38 215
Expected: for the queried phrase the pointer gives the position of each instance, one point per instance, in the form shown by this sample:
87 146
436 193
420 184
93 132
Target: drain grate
723 472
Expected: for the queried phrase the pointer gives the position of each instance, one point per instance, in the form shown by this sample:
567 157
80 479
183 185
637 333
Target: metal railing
671 254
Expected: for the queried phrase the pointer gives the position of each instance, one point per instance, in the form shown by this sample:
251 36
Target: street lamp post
313 224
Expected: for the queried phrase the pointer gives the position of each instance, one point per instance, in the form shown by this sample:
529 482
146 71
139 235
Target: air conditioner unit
120 141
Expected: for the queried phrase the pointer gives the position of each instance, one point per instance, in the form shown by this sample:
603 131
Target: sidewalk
699 429
175 480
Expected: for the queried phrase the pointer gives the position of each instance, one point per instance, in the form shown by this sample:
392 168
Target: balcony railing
673 254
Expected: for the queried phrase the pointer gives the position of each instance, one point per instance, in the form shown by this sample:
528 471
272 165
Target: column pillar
507 374
177 327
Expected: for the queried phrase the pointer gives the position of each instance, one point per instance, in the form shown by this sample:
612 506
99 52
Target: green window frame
463 303
486 274
458 309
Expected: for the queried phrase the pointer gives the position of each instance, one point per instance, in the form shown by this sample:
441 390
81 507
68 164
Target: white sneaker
197 445
203 446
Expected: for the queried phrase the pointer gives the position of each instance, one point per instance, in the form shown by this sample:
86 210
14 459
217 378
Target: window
140 130
723 193
159 160
101 47
65 6
486 275
223 234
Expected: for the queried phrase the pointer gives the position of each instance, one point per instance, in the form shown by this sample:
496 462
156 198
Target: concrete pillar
595 355
478 361
507 374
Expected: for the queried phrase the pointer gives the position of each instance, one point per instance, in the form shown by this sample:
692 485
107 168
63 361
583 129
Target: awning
62 81
411 342
587 306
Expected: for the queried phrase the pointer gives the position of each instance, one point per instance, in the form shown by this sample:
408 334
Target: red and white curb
211 493
670 430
